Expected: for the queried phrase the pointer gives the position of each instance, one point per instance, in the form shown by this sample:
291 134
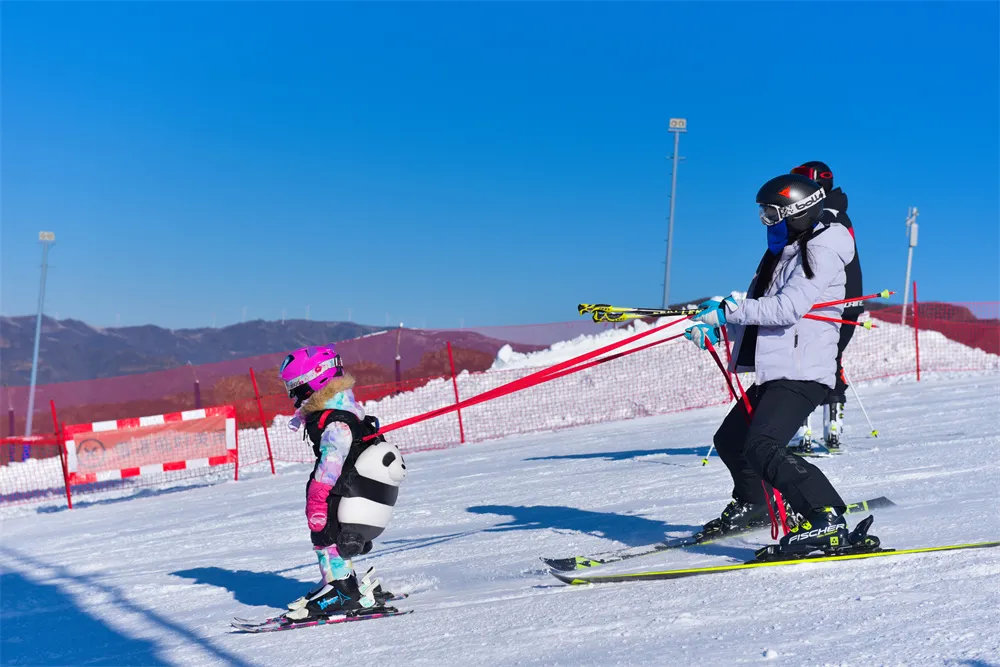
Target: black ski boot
340 597
738 515
824 531
381 595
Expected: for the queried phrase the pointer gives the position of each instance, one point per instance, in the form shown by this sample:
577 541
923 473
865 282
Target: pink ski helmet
308 369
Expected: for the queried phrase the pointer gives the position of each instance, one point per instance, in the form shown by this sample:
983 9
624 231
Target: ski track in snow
155 580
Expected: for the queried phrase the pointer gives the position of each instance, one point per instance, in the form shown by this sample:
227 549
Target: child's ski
282 623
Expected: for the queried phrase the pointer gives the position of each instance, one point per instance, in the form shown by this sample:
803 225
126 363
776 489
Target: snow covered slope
155 580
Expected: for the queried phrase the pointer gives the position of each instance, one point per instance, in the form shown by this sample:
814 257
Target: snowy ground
155 580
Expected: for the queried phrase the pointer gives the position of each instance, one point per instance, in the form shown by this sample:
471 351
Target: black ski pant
758 450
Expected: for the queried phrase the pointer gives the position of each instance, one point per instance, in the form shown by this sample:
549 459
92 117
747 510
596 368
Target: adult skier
795 363
352 488
834 210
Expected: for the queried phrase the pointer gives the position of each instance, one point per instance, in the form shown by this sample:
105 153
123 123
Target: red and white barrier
123 448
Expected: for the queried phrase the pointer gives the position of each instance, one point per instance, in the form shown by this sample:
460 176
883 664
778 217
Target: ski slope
155 580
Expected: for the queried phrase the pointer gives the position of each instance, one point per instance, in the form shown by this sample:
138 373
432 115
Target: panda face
383 463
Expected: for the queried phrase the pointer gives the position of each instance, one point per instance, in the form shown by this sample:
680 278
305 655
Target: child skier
794 360
352 488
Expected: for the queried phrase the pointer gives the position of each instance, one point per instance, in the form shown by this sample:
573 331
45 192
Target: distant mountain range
94 373
73 350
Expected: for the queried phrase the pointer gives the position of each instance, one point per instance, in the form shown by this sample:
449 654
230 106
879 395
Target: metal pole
911 235
677 125
670 224
906 290
399 359
46 243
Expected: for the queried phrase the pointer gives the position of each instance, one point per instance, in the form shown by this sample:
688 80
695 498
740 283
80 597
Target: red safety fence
975 325
667 378
114 458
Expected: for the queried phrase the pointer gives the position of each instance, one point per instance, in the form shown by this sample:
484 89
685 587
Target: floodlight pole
677 125
911 234
46 239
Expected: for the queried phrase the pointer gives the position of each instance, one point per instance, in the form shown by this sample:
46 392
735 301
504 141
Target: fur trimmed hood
317 402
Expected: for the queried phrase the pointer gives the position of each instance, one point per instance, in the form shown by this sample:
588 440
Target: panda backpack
368 484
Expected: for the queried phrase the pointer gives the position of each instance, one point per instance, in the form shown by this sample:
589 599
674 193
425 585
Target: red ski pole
855 300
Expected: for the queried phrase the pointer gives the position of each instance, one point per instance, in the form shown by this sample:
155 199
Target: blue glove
713 311
700 333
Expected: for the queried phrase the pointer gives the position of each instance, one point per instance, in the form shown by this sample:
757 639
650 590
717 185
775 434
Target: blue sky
477 164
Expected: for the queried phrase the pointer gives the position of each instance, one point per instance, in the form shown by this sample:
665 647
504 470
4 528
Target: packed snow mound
884 350
507 359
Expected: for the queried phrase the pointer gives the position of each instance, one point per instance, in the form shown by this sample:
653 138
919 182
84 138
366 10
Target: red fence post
64 459
454 383
916 328
236 433
260 410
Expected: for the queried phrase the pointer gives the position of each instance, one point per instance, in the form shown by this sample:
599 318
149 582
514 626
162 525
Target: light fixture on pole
677 125
911 235
46 239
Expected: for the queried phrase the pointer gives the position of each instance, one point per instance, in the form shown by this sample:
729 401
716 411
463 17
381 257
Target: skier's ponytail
804 254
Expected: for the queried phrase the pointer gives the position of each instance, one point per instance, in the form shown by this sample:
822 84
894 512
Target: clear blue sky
481 163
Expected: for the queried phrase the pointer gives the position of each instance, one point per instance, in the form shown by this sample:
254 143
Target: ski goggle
772 214
315 372
812 173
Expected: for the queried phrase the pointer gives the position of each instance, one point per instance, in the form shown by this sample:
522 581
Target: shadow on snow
626 528
628 454
265 589
44 625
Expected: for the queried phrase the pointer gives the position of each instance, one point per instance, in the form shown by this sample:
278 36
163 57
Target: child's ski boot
341 597
368 582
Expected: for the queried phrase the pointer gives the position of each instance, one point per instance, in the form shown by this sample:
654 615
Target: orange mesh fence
650 382
372 359
666 378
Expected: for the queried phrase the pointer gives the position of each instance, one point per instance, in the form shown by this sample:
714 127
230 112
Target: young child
352 488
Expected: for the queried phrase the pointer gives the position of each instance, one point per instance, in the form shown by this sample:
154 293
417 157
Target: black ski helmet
791 197
817 171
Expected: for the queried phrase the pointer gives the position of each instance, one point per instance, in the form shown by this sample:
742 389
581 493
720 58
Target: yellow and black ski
576 579
584 562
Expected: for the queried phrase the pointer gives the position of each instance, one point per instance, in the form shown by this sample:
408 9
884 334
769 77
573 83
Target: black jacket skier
835 210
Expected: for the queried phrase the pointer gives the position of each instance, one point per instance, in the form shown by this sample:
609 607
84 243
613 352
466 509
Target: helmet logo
787 192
